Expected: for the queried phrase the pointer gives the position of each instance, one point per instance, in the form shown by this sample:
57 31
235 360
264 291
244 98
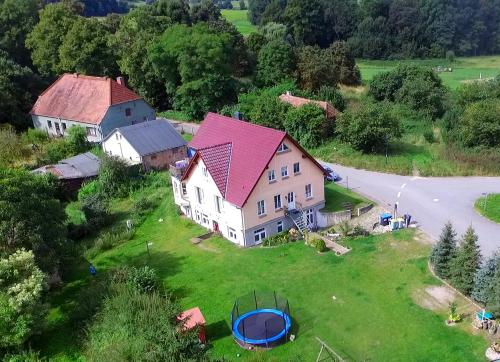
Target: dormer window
283 148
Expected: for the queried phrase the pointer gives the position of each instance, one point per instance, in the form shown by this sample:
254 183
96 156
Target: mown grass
373 315
464 69
489 207
240 19
336 196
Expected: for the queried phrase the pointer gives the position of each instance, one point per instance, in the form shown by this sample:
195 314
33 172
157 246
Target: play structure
193 319
261 320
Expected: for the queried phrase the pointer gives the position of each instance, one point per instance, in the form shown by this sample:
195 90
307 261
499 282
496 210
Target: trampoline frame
283 333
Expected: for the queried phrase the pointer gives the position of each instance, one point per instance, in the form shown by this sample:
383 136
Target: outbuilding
154 144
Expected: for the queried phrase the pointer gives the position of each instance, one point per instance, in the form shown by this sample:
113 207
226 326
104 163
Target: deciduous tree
276 63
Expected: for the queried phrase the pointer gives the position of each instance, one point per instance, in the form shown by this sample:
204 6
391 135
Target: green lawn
240 20
187 137
336 196
464 69
489 206
373 316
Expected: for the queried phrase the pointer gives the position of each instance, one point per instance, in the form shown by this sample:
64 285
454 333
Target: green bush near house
277 239
318 244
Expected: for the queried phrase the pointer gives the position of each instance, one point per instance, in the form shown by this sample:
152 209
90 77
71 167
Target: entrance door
291 200
215 226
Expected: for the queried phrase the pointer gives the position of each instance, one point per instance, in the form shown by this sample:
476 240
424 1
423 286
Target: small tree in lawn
466 262
444 250
484 279
77 139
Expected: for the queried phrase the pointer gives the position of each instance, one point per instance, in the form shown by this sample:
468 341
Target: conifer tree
493 302
484 279
466 262
444 251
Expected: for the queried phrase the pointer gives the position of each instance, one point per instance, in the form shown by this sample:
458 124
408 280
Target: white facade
59 127
201 206
117 145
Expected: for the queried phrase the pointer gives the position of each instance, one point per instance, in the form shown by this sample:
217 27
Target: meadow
362 304
239 19
463 69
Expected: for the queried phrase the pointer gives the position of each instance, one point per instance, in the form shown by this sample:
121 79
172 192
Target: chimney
121 81
238 115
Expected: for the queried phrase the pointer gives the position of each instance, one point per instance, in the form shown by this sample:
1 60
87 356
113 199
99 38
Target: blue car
330 174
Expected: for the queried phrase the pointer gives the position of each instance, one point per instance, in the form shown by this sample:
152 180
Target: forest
388 29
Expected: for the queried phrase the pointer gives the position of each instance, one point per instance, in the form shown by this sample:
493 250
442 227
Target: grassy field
336 196
373 316
240 20
489 206
464 69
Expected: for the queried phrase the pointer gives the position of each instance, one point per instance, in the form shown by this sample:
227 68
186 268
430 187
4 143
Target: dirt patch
435 298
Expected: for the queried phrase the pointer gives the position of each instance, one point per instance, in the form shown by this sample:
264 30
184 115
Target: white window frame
309 195
204 219
279 226
231 233
277 205
259 235
309 217
184 188
284 171
199 195
218 204
204 171
197 215
283 148
261 207
296 172
271 176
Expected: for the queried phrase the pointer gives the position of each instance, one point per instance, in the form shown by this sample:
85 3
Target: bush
88 188
480 124
319 245
277 239
144 279
143 205
358 230
22 356
114 177
345 228
96 210
308 125
429 136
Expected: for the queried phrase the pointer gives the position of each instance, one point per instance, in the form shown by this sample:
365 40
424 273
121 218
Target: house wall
116 116
41 122
117 145
264 190
230 216
162 160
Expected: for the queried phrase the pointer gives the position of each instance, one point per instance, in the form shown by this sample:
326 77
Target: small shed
154 144
73 171
192 318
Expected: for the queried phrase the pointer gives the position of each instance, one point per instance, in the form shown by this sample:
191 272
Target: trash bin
385 218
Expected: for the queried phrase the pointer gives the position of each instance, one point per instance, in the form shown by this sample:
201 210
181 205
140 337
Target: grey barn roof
151 137
83 165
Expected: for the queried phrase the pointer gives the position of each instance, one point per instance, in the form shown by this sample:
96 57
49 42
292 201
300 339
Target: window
91 131
283 148
231 232
128 112
176 188
204 219
49 123
184 190
259 235
218 204
199 195
310 217
284 171
309 192
117 136
261 208
58 130
296 168
279 224
63 126
204 170
197 214
277 202
271 175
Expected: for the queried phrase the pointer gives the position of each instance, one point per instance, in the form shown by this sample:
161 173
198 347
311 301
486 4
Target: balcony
178 169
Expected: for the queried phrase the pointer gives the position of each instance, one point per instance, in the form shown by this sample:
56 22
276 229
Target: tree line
380 29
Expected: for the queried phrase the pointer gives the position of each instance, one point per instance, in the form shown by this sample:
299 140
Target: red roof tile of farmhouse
252 147
81 98
330 110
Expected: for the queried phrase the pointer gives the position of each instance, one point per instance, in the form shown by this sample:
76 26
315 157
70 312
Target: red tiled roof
81 98
330 110
236 153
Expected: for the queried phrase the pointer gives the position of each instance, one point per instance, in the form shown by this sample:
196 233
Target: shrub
277 239
358 230
480 124
318 244
308 125
144 279
429 136
143 205
22 356
114 177
77 140
345 228
96 210
87 189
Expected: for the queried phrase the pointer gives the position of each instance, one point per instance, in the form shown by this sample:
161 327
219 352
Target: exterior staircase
298 217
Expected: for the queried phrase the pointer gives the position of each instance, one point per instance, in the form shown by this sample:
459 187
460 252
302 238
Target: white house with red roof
248 182
99 104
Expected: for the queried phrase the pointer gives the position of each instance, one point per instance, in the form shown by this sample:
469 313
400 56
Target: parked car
330 174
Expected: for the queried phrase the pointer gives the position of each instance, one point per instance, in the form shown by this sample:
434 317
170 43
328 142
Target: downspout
244 228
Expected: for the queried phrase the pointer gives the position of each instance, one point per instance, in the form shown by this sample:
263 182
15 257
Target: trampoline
261 320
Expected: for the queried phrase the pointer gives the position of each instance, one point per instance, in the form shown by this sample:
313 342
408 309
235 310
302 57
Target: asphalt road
432 201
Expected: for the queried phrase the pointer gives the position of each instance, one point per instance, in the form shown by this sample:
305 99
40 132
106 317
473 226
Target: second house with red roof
98 104
248 182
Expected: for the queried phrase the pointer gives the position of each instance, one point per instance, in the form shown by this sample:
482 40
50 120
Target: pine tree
444 251
483 281
493 302
466 262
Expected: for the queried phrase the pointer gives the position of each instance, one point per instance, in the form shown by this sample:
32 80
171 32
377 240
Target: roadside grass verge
336 196
489 207
373 315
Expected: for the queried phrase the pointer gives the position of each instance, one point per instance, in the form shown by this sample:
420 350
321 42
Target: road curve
431 201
